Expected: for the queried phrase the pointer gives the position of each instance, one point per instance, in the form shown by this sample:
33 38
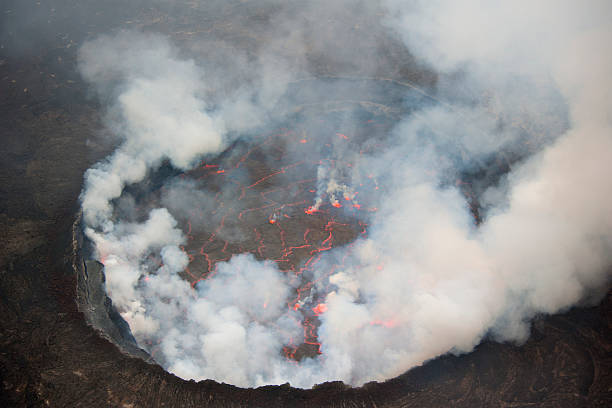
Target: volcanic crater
56 352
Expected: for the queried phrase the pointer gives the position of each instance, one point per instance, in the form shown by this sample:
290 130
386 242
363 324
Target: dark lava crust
51 356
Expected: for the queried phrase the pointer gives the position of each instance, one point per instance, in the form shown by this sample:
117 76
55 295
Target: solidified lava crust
258 198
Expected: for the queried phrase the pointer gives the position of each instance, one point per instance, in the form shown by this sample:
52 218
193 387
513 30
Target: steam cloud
544 242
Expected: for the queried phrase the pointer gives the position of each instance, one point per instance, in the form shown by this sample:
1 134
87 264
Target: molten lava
385 323
319 309
267 217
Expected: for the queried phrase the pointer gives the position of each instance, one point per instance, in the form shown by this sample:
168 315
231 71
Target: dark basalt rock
97 307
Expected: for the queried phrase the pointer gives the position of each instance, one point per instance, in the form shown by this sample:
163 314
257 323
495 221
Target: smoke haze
434 274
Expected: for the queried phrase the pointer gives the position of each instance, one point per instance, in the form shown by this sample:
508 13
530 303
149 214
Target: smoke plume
434 275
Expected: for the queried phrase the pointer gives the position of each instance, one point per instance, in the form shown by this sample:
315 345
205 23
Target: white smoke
427 280
233 327
160 114
445 283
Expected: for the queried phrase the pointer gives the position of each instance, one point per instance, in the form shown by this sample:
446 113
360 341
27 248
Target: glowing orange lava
295 248
310 210
385 323
319 309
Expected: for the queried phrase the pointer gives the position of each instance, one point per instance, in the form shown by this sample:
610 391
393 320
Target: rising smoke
523 79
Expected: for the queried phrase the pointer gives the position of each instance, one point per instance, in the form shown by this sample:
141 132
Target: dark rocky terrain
49 355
